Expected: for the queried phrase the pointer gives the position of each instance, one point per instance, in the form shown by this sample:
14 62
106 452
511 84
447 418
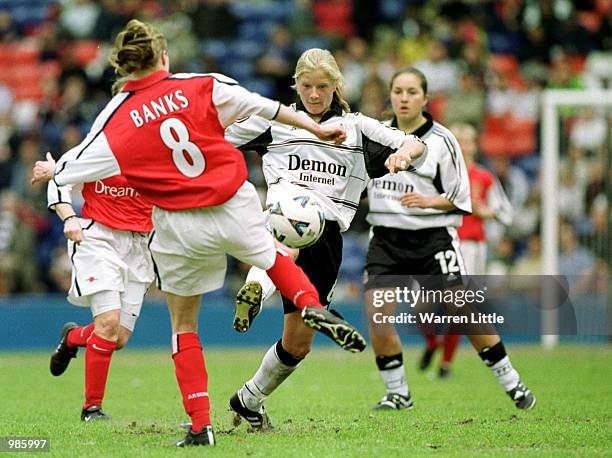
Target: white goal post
552 99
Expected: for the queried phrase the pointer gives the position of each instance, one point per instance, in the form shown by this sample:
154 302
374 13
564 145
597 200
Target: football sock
293 283
260 276
97 361
392 372
276 366
496 358
192 378
432 341
77 337
450 342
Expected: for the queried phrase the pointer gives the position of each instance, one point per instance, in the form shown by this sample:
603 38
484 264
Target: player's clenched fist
73 230
337 134
43 170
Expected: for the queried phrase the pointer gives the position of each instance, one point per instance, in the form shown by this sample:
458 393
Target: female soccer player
164 133
294 162
414 220
111 271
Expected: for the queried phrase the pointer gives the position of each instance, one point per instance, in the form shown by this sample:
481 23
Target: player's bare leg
190 368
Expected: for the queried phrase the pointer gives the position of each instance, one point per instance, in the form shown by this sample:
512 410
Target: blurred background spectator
487 63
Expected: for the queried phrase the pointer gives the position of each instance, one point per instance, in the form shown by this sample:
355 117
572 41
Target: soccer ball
296 221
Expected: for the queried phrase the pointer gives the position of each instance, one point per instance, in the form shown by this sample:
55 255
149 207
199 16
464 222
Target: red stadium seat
504 63
85 51
508 136
521 135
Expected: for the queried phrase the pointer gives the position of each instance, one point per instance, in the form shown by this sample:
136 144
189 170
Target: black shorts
321 263
432 256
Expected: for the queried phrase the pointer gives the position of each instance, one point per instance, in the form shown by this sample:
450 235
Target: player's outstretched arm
411 152
300 120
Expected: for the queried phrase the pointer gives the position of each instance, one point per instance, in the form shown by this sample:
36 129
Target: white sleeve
235 102
93 158
379 141
253 133
498 202
90 161
59 194
453 175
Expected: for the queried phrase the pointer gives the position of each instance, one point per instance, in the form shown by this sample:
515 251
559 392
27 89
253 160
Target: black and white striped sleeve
379 141
453 173
251 134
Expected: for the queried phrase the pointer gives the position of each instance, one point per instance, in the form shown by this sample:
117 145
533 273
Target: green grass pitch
324 408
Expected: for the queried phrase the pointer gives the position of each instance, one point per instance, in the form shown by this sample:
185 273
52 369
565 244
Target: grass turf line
324 408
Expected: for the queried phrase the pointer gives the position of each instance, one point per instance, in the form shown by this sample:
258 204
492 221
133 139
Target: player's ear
165 59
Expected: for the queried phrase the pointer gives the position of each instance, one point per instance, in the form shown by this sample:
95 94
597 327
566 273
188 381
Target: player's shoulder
219 77
369 122
442 131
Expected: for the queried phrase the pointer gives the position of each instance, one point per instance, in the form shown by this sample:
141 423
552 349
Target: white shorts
189 247
107 261
474 256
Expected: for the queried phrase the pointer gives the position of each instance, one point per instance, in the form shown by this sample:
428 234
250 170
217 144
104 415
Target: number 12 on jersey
175 136
447 267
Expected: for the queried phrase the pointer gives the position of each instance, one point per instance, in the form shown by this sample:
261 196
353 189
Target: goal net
575 208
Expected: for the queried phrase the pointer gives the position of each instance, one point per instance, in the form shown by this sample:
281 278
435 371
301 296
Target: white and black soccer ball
296 221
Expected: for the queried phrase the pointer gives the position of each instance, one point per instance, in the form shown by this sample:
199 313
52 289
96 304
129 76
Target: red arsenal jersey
480 183
114 203
165 134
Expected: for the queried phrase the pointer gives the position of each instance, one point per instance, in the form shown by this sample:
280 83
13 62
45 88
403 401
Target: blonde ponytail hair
137 47
315 59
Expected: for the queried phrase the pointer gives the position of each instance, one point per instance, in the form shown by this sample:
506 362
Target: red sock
292 282
78 336
192 378
451 341
97 361
432 341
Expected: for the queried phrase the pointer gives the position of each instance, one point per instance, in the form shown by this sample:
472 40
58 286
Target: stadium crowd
486 62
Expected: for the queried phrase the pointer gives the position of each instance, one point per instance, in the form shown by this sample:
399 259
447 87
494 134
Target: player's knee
293 252
122 341
107 326
287 251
